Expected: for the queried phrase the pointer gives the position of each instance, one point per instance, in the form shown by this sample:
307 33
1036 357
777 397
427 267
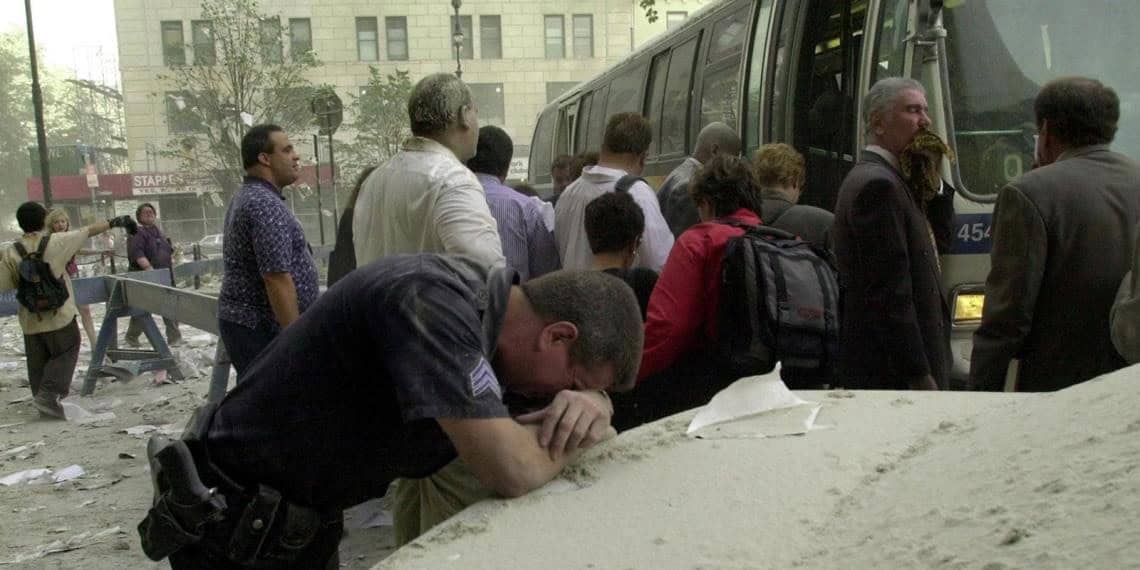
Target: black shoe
49 406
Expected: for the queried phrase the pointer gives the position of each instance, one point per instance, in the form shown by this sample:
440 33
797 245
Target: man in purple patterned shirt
528 244
270 277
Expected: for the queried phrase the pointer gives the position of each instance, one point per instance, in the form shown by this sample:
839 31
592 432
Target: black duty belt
198 504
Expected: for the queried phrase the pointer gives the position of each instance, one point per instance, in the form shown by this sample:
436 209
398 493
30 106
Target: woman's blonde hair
54 215
778 165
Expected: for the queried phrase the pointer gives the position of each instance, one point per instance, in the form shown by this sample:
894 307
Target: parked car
211 245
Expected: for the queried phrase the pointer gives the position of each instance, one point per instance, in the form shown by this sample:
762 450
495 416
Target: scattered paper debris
772 410
21 399
139 430
26 476
68 473
13 424
14 450
125 455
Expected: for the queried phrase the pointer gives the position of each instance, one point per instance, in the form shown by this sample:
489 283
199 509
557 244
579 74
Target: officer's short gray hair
436 102
605 311
883 94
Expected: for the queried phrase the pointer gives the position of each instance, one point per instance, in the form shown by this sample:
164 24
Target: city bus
794 71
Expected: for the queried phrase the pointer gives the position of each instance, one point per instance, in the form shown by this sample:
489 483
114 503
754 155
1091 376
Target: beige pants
420 504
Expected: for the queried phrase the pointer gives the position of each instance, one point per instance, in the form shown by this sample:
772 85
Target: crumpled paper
754 407
43 475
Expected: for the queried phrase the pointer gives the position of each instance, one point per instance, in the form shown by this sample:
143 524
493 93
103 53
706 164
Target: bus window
562 136
728 36
719 94
583 123
625 91
890 53
542 146
757 60
1001 54
675 106
822 106
655 95
597 121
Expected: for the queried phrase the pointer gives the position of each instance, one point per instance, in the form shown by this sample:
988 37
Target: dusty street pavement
90 521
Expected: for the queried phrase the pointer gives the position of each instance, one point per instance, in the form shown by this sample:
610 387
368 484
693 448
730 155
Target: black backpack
626 182
342 259
779 302
39 290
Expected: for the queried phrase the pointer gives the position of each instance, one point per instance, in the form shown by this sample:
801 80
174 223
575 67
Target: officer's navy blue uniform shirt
345 399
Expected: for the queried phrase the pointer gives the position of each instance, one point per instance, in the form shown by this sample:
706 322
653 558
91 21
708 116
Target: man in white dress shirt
424 199
624 149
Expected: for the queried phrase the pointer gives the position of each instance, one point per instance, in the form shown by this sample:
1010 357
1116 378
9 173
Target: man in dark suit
895 324
1061 241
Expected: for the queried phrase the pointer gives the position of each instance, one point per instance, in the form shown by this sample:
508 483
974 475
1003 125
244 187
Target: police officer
394 372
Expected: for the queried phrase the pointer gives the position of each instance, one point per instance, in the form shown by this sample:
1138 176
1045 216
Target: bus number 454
975 232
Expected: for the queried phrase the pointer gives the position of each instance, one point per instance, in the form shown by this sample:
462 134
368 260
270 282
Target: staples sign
152 184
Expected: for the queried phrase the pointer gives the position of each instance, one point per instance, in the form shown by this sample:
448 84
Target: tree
380 122
18 118
650 9
239 78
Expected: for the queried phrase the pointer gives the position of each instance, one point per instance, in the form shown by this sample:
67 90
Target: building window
271 40
300 37
490 37
555 89
674 19
490 103
468 49
202 34
555 37
181 115
173 44
367 43
397 31
583 35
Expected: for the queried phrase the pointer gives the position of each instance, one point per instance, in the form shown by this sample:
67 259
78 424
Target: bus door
813 93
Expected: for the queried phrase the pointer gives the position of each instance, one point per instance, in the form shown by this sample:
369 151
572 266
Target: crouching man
394 372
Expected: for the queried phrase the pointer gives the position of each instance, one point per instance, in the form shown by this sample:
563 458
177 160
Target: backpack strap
735 223
20 249
43 246
764 230
626 182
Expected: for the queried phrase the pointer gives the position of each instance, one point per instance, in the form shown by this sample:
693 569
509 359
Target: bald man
678 208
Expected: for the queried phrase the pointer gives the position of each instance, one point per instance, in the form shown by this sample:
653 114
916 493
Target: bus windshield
1000 54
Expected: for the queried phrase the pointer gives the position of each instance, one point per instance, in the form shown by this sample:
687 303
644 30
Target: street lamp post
38 102
457 38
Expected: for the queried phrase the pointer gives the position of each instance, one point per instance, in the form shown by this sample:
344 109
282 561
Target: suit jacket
895 323
1061 245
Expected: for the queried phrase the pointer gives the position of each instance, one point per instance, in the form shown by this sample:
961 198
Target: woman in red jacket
681 321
